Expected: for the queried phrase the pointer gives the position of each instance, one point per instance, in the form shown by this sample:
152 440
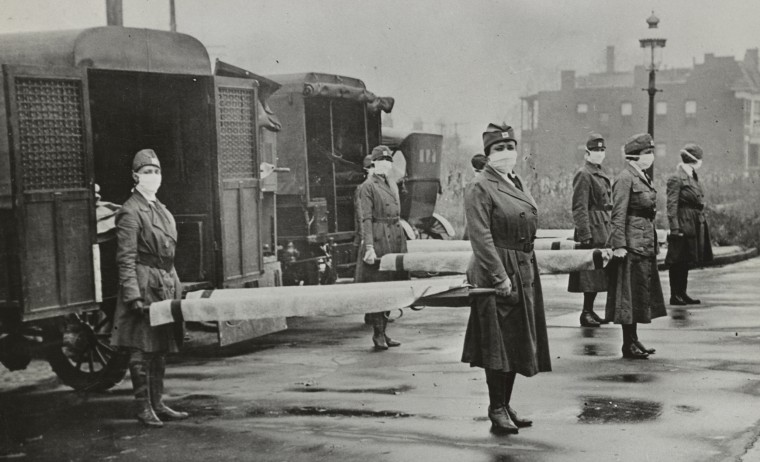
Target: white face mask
148 182
503 161
595 157
645 161
382 167
697 165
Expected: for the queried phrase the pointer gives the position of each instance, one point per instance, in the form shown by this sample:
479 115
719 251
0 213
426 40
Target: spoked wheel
80 353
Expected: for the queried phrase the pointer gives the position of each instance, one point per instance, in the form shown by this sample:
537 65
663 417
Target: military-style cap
693 150
367 162
595 140
496 133
638 143
145 157
380 151
479 161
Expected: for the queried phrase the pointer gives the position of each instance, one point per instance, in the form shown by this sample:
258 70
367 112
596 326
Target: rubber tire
103 375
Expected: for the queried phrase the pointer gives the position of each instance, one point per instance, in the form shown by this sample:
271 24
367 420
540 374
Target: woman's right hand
619 253
504 288
370 256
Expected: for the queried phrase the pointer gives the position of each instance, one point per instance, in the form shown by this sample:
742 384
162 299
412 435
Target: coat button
522 239
522 214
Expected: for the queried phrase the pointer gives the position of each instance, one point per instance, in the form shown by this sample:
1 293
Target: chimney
751 59
114 13
610 59
567 79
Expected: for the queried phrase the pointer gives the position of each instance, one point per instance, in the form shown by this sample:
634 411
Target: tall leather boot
139 371
378 328
639 345
156 382
388 341
684 284
630 350
497 409
509 386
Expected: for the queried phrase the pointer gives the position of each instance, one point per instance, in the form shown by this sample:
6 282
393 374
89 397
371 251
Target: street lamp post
654 43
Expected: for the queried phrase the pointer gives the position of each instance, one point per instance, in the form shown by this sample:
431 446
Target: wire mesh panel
237 133
51 133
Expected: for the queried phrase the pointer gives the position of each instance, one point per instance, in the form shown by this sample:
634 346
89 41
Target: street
318 392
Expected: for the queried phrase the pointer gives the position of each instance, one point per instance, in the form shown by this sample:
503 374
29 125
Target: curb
721 260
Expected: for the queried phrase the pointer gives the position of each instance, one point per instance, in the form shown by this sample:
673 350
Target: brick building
715 104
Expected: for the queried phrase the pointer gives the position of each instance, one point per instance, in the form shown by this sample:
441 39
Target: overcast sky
464 62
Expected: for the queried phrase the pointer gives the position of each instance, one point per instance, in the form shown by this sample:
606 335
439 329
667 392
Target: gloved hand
504 288
586 244
619 253
138 307
369 256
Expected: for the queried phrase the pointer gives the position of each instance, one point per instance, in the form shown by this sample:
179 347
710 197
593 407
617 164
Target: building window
626 109
535 114
661 108
581 109
753 156
747 112
756 114
660 150
690 108
604 118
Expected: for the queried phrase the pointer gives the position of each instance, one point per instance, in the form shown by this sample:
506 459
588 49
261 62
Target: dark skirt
690 250
587 281
635 292
508 337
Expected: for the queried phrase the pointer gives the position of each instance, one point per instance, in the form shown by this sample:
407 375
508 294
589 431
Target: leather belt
643 213
391 220
603 208
527 248
148 259
699 207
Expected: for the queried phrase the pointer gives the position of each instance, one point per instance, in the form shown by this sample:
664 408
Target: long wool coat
379 209
146 233
685 206
634 293
592 203
506 334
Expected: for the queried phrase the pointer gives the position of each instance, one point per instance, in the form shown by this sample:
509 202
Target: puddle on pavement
379 391
321 411
680 317
685 409
596 349
601 410
626 378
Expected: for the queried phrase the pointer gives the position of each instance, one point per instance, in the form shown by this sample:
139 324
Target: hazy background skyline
463 63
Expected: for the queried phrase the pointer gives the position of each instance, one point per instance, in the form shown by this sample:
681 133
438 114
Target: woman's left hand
504 288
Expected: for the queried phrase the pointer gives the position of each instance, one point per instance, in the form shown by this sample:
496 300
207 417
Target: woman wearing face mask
506 334
634 291
591 214
379 209
147 237
689 239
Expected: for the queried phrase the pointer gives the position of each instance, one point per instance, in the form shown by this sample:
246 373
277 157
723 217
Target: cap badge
505 135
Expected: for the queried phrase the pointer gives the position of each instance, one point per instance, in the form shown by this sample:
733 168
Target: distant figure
506 333
689 239
146 238
634 293
592 203
379 208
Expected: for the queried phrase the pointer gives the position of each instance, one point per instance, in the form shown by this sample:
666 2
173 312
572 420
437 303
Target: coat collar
506 187
383 183
155 211
597 170
637 174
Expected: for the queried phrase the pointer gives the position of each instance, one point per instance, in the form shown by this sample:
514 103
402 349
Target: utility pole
172 16
114 13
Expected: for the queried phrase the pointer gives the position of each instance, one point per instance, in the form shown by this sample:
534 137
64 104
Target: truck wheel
79 351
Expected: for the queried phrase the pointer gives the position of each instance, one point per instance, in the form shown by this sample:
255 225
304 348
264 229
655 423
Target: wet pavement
317 392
